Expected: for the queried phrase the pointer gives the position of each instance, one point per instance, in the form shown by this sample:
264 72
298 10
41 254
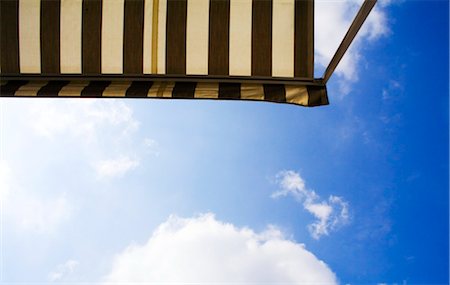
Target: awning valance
279 93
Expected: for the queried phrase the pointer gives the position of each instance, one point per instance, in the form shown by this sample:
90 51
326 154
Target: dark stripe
274 93
50 31
11 87
52 88
184 90
95 89
9 36
304 39
317 95
229 91
219 28
262 37
92 35
139 89
133 37
176 37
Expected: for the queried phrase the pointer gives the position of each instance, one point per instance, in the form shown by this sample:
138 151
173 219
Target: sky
218 192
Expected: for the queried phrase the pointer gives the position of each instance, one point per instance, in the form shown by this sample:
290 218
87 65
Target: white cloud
151 146
205 250
97 128
332 20
63 270
81 118
5 179
151 143
329 213
115 167
26 210
37 214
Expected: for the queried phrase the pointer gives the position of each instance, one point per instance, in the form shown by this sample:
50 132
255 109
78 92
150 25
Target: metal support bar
363 12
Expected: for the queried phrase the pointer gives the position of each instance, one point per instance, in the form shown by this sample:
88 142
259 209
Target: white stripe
70 36
148 25
168 90
30 36
112 36
207 90
30 89
283 38
74 88
161 89
297 94
162 36
197 35
153 91
240 37
116 89
252 91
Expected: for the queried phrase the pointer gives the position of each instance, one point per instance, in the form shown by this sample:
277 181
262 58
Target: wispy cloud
36 214
5 179
151 146
63 270
28 211
203 250
329 213
103 131
332 20
82 119
115 167
392 90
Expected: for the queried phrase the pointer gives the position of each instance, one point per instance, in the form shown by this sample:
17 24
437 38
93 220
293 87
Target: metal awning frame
356 25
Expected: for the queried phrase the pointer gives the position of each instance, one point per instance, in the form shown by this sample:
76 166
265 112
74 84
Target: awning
279 93
206 49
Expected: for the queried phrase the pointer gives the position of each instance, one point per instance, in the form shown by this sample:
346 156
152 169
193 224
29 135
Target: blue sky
146 190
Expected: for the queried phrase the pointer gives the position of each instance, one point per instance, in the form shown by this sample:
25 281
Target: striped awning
213 49
279 93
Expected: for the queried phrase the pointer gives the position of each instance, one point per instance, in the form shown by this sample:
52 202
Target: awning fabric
279 93
214 49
